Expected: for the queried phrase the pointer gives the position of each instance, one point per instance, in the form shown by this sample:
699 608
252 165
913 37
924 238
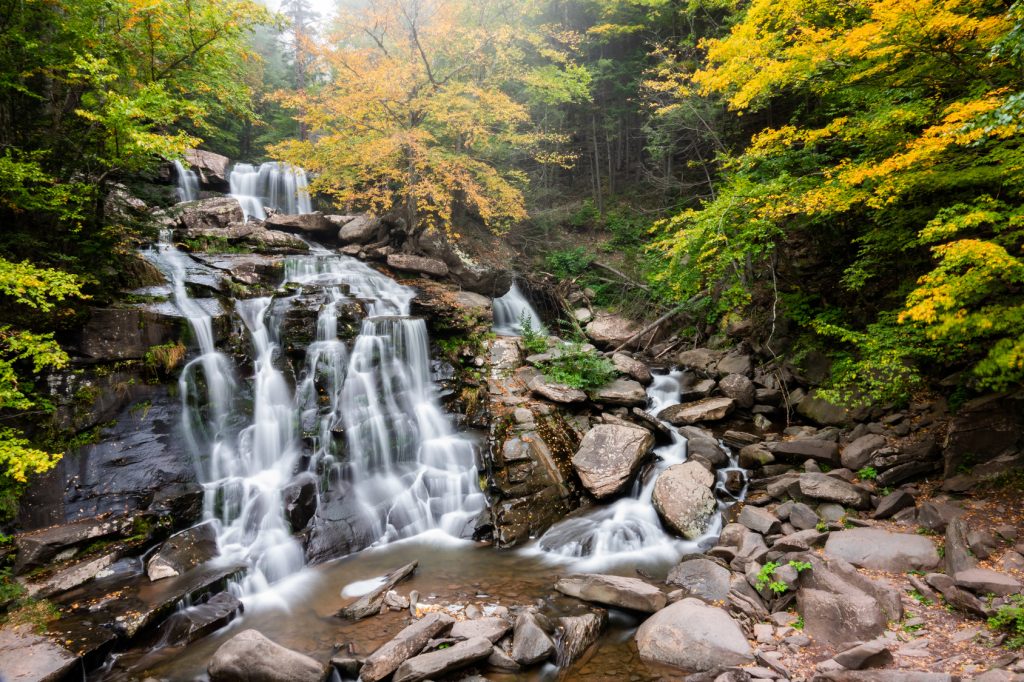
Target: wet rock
443 661
30 657
683 498
662 433
407 643
696 390
557 393
578 633
472 301
275 241
194 623
530 643
621 392
701 578
613 331
314 226
492 628
895 501
799 450
632 368
873 654
858 453
361 229
250 656
984 581
693 636
739 388
832 489
127 333
703 443
759 520
38 548
183 551
822 412
609 456
708 409
418 264
300 500
72 576
369 604
613 590
216 213
211 168
883 550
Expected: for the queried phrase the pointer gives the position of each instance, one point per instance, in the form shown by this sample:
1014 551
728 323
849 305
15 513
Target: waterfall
188 182
629 530
377 417
510 310
274 185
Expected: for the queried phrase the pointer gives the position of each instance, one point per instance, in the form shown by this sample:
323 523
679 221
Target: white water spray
274 185
188 182
510 310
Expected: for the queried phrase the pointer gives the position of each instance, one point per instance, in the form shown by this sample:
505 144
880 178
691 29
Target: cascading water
188 182
510 310
628 531
274 185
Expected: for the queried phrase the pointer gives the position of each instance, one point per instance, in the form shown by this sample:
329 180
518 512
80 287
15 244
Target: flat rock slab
613 590
492 628
369 604
707 410
873 654
28 657
406 644
800 450
443 661
621 392
609 456
419 264
530 643
195 622
831 489
251 656
883 550
694 637
701 578
557 393
984 581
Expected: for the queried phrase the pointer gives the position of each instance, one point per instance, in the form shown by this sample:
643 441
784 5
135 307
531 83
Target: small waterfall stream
510 310
272 185
188 182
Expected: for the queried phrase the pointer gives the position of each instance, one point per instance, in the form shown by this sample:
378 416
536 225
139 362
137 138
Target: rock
530 643
832 489
957 556
983 543
982 430
361 229
183 551
250 656
621 392
703 360
754 456
194 623
38 548
701 442
803 517
632 368
443 661
609 456
211 168
693 636
873 654
822 412
215 213
739 388
30 657
583 315
701 578
613 590
418 264
684 500
759 520
984 581
735 362
312 225
883 550
407 643
895 501
956 597
492 628
579 633
472 301
608 329
935 514
858 453
369 604
557 393
696 390
884 676
708 409
802 449
300 500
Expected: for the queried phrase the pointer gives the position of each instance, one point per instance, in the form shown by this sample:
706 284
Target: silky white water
272 185
188 182
510 310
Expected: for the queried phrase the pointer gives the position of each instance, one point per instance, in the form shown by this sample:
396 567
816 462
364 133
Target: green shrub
569 262
578 368
1010 619
867 473
535 340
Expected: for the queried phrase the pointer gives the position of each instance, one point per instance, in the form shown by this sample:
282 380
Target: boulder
530 643
894 502
832 489
936 515
311 225
438 663
608 329
632 368
250 656
694 637
300 500
739 388
759 520
985 581
735 362
858 453
873 654
696 390
211 168
703 443
579 633
883 550
982 430
621 392
492 628
407 643
472 301
361 229
704 360
418 264
822 412
802 517
800 450
39 548
683 498
183 551
958 556
613 590
214 213
701 578
609 456
556 393
194 623
708 409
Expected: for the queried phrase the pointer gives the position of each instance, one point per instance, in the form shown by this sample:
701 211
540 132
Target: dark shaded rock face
140 464
126 333
982 430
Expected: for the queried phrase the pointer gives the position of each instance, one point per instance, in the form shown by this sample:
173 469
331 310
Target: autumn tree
425 114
